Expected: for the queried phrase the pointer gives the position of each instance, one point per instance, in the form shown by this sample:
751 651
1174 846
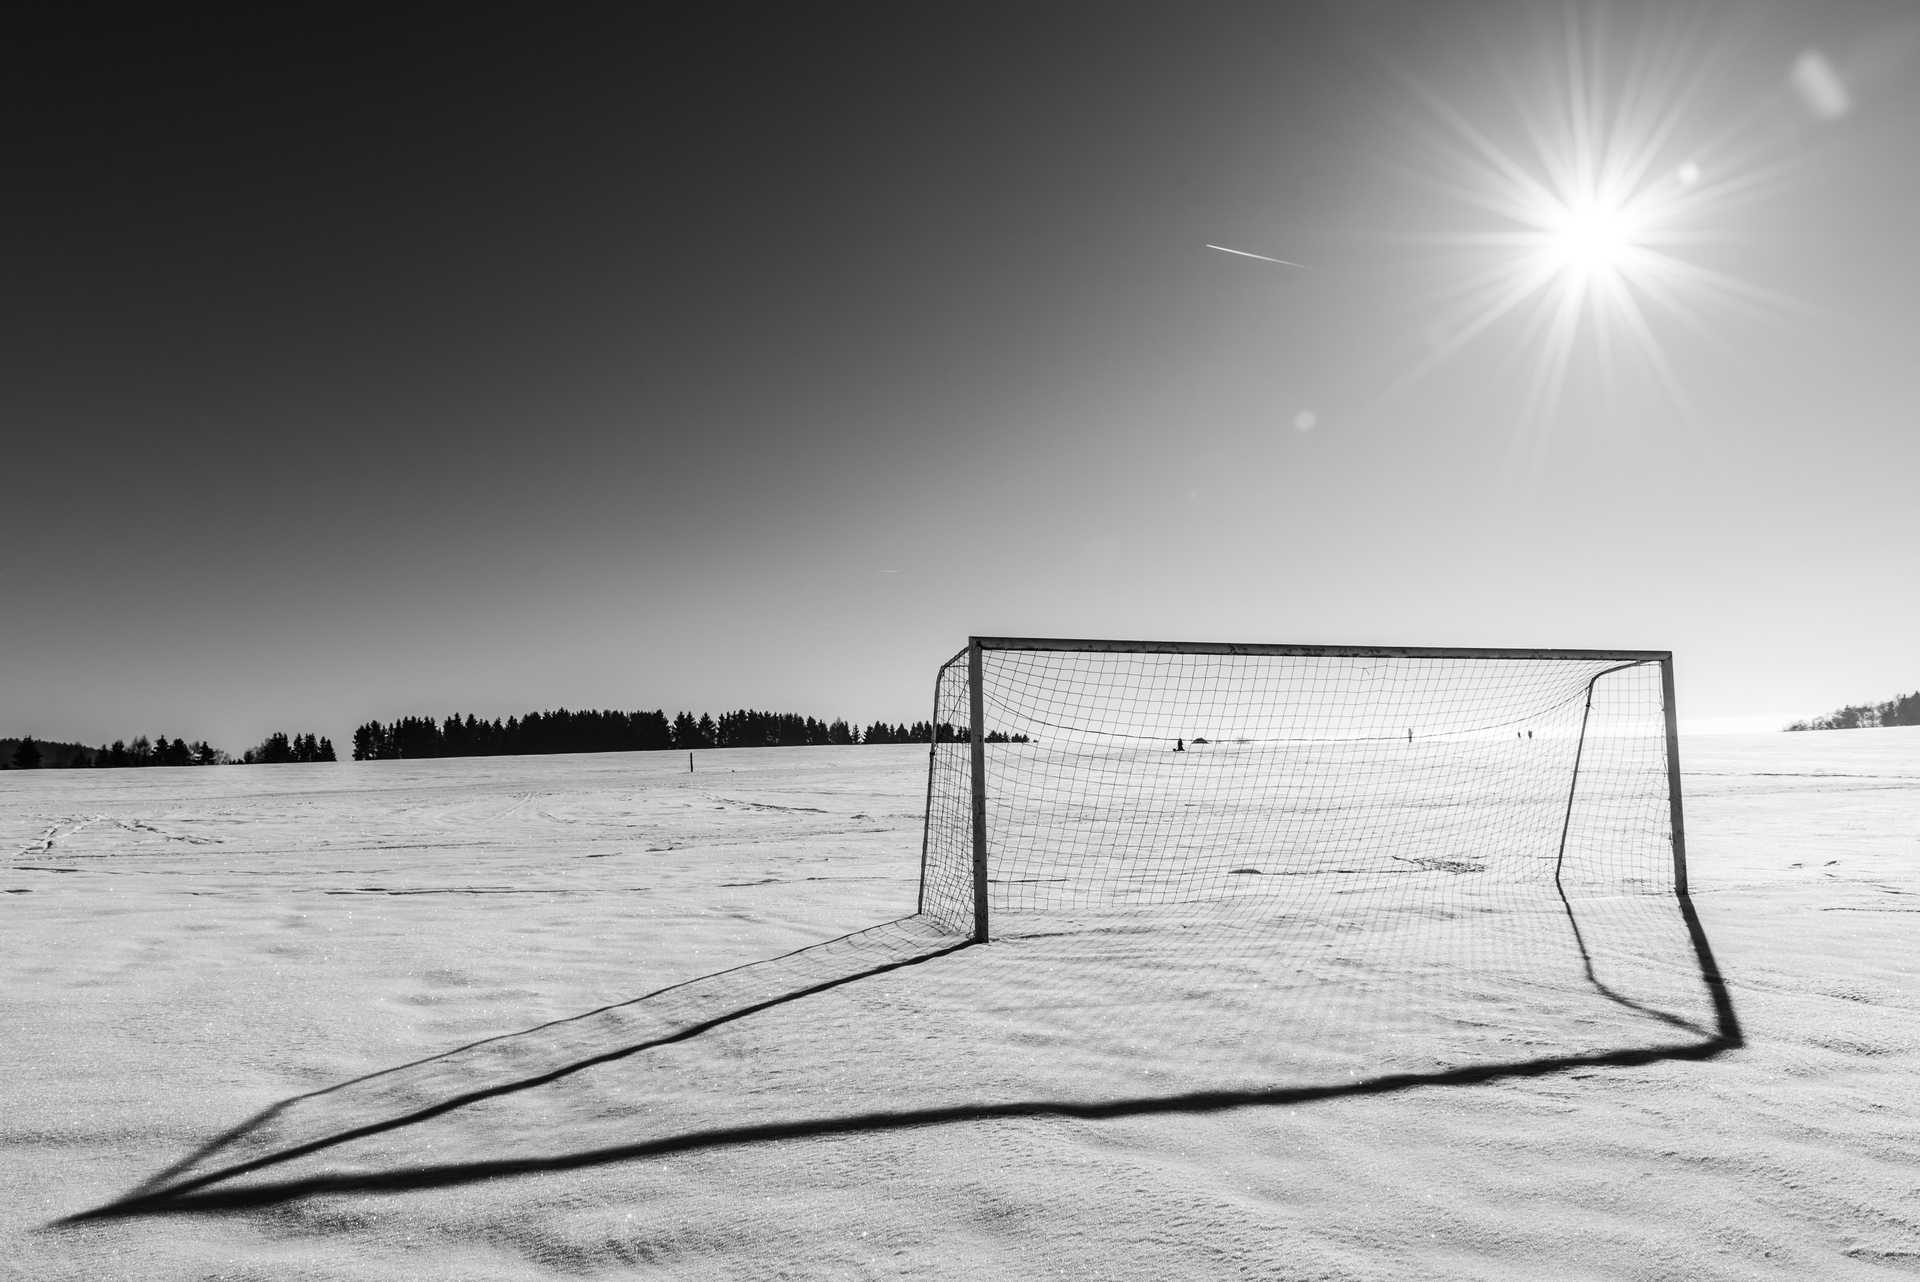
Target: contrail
1262 257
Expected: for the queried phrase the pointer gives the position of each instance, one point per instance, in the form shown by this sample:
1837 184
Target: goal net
1081 780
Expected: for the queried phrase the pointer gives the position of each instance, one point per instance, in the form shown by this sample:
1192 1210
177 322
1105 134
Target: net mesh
1229 784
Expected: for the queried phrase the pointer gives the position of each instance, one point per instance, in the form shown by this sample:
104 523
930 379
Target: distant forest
596 731
468 736
1901 710
32 754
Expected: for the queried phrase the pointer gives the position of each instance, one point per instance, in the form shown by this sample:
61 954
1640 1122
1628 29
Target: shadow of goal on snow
1089 1017
411 1095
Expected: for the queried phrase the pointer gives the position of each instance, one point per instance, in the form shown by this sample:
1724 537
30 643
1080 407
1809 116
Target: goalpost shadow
206 1181
1616 818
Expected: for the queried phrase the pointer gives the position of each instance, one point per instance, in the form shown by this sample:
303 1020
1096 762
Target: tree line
1901 710
591 730
279 749
31 754
469 736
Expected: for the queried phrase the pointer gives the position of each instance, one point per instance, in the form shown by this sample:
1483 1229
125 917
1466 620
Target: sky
757 358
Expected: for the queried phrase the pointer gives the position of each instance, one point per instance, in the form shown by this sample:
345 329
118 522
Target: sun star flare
1588 202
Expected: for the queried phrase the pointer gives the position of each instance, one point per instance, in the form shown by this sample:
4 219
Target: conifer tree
686 732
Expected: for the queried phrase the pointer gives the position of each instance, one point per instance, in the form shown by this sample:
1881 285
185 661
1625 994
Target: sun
1583 197
1588 239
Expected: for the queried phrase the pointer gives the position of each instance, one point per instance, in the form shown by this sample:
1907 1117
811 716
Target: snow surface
577 1016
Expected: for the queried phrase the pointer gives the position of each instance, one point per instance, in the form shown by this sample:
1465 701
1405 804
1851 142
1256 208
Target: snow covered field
567 1016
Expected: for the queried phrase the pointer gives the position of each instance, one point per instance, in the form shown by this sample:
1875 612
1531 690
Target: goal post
1073 779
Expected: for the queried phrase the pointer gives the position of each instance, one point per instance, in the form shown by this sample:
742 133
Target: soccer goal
1078 778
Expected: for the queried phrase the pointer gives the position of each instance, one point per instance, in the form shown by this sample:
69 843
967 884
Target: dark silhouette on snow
236 1171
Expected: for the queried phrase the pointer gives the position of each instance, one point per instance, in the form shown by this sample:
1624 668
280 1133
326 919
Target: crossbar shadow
205 1182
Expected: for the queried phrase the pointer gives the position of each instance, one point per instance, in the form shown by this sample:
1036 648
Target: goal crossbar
1312 651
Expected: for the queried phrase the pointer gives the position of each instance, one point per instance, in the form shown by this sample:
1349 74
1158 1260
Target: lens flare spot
1821 88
